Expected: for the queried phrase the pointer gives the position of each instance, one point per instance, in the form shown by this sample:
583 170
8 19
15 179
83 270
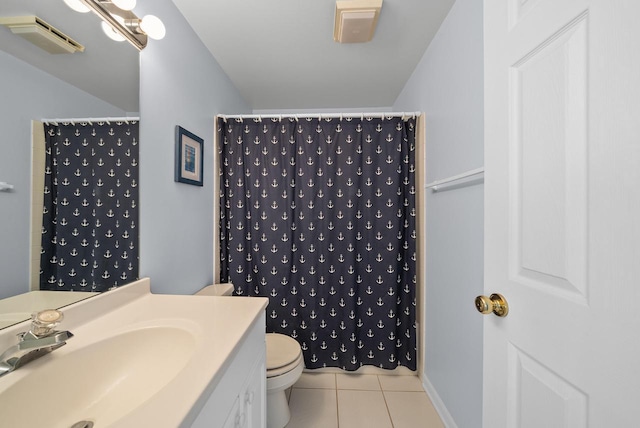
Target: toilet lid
282 350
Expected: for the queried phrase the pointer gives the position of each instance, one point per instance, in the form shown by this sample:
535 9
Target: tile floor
331 400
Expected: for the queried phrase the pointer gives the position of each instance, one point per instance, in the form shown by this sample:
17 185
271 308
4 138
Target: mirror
101 81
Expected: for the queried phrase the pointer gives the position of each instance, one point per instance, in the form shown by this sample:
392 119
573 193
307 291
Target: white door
562 213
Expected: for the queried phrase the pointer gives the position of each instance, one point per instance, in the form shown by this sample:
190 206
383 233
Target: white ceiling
280 54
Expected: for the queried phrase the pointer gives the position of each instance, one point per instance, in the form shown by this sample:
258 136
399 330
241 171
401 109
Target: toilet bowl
284 367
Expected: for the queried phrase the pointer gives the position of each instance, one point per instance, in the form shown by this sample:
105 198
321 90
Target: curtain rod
90 120
321 116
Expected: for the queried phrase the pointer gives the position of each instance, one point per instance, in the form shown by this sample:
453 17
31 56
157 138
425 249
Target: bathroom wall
448 86
180 84
29 93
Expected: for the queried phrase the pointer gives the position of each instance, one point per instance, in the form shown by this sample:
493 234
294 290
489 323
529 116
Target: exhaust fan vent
41 34
356 20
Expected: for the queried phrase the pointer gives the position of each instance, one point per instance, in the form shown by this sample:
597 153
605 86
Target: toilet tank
225 289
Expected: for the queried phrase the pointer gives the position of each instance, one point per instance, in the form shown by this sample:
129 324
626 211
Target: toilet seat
283 354
284 369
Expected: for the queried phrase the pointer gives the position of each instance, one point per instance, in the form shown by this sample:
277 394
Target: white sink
101 382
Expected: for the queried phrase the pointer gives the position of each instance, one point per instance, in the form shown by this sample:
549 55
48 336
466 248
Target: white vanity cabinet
248 410
239 398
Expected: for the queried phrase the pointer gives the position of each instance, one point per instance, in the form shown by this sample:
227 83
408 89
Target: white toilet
284 367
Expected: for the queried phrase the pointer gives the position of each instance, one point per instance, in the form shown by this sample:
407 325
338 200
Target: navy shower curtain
319 216
90 212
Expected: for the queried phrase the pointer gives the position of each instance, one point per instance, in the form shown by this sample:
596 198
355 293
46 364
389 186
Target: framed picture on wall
188 157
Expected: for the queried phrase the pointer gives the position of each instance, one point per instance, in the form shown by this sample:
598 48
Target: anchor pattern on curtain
90 210
319 216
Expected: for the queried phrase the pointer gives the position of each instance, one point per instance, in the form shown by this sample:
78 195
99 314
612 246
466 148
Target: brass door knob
496 303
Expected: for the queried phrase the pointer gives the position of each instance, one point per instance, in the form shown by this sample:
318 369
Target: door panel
562 212
548 164
534 387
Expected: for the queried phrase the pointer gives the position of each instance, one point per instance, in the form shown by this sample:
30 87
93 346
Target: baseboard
437 402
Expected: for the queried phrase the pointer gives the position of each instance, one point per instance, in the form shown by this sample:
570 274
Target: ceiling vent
41 34
355 20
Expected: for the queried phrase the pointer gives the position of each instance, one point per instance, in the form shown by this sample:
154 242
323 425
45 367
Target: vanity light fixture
120 23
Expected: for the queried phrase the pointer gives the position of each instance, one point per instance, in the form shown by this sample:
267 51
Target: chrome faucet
38 341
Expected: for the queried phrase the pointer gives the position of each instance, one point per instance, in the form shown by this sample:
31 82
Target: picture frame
189 159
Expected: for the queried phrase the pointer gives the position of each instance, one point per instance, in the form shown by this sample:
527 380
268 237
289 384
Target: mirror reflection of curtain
320 217
90 212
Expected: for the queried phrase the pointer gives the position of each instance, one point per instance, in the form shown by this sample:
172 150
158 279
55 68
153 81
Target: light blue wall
27 93
180 84
448 86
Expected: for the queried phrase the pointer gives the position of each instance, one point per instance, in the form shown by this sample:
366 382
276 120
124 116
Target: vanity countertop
19 308
211 331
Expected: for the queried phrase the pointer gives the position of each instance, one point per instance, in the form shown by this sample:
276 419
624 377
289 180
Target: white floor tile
313 408
316 380
401 383
357 409
412 410
358 381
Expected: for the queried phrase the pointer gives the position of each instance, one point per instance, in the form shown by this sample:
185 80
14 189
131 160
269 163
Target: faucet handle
43 322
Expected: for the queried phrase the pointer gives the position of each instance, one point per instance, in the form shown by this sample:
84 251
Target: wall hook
5 187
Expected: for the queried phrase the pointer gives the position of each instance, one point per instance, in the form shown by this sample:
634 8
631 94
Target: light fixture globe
77 5
153 27
111 33
124 4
